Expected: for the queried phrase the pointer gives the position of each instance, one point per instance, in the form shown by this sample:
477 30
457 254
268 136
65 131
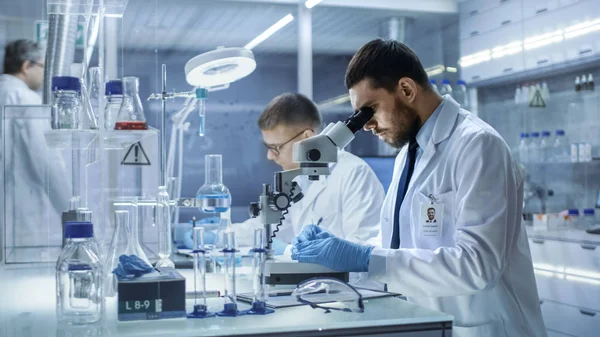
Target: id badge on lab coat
431 219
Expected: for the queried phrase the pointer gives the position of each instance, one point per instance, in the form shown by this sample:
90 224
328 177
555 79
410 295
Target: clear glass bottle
163 225
66 105
545 147
79 275
534 148
589 218
214 196
561 152
131 114
201 95
114 99
446 88
573 219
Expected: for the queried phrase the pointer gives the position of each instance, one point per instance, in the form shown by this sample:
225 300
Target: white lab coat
36 182
349 200
480 269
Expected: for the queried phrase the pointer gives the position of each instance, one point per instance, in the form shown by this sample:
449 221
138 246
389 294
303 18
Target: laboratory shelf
122 139
71 139
89 139
113 8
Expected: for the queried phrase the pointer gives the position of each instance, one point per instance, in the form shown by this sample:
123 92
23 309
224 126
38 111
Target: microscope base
287 272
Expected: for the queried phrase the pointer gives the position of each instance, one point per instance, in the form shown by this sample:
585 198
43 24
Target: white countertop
567 235
27 308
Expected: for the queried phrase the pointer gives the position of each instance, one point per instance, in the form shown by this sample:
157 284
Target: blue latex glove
278 246
188 238
131 266
311 232
332 252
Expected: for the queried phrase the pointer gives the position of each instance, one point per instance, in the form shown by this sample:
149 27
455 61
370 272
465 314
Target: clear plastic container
114 99
561 151
573 220
131 114
67 106
534 148
79 275
523 148
214 196
545 147
589 218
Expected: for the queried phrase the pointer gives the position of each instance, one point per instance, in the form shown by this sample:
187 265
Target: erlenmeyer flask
131 115
122 244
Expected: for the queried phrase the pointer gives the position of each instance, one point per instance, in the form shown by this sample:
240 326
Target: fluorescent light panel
451 69
508 49
543 40
270 31
311 3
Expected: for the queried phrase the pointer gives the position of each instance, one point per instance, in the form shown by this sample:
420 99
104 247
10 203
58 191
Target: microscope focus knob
281 201
313 155
254 210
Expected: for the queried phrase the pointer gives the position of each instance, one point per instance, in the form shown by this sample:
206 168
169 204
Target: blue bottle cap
432 81
78 230
114 87
588 211
573 211
535 134
545 133
446 82
461 82
66 83
201 93
526 135
560 132
523 134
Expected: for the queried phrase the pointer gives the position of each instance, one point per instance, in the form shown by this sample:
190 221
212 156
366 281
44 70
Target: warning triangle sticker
135 156
537 101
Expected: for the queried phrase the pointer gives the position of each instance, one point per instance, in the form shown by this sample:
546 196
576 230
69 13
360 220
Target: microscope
314 155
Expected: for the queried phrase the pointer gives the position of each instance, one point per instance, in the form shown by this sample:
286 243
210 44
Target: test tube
258 272
230 307
200 310
163 224
201 94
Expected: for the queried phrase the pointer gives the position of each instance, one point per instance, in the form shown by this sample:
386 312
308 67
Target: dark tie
409 167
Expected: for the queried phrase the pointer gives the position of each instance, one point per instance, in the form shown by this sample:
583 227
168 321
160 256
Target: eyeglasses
37 64
329 294
277 148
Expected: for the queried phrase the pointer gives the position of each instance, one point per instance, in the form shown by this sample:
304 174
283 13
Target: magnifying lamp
219 67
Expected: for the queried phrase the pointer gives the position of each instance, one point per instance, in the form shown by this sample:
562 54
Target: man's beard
407 131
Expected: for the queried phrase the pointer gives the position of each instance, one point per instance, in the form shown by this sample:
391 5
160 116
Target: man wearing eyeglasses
37 187
347 202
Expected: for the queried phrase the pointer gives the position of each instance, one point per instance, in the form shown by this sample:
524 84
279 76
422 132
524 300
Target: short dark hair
431 209
290 109
384 63
19 51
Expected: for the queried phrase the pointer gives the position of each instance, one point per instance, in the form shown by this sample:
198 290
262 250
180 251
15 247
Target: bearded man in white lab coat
474 262
37 186
346 203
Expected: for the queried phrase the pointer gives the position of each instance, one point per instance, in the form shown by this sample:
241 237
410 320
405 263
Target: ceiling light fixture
312 3
270 31
451 69
543 40
219 67
582 28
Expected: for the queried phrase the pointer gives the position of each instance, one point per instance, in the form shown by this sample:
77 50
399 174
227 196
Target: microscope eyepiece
358 119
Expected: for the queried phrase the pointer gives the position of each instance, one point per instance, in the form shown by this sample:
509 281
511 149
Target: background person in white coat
36 184
474 263
346 203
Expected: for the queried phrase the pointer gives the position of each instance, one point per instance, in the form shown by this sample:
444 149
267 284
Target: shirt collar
426 131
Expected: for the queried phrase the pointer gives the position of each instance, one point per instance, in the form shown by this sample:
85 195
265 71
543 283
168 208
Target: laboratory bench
27 308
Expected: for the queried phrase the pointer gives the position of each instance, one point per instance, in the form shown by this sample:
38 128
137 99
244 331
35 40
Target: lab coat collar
427 129
445 120
13 81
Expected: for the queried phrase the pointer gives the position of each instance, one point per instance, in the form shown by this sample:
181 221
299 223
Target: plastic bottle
446 89
79 275
545 92
461 95
589 218
545 147
434 86
584 83
534 148
573 219
517 97
591 85
114 99
523 148
577 84
561 152
524 94
67 107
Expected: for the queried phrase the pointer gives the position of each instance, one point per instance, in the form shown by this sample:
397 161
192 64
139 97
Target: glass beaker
163 225
214 196
131 114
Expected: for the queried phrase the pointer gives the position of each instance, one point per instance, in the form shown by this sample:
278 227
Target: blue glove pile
131 266
316 245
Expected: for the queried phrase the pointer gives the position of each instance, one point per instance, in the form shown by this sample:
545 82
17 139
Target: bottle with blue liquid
79 275
214 196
